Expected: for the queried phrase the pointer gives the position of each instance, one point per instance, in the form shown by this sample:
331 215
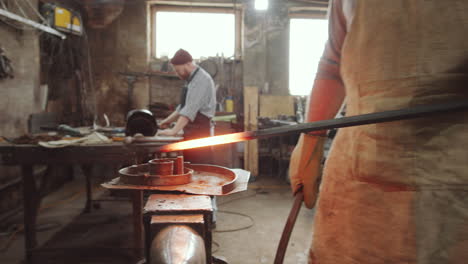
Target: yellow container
67 21
229 104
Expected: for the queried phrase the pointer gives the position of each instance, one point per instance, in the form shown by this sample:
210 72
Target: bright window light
261 4
201 34
306 44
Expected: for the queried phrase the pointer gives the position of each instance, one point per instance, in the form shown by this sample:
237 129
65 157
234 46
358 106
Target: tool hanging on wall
6 69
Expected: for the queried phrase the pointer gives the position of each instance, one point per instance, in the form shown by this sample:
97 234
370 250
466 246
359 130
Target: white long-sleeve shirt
201 96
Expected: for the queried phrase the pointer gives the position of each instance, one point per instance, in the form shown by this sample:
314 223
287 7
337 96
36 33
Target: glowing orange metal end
208 141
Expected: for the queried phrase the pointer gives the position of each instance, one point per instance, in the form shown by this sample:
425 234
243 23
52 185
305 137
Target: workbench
28 156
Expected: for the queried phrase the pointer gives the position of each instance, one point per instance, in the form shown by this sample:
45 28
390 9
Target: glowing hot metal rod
373 118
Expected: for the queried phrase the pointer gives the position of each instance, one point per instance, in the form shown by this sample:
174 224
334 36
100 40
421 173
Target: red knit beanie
181 57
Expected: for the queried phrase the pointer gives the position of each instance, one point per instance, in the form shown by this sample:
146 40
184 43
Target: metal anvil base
178 229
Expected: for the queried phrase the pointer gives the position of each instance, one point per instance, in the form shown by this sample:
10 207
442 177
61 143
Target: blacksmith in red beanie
196 109
181 57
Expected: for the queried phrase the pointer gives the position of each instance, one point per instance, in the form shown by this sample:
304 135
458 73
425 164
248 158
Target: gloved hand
305 166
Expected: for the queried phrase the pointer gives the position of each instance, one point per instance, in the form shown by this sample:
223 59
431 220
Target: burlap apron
398 192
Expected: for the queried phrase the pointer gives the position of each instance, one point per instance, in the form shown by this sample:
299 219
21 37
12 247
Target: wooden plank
251 98
273 105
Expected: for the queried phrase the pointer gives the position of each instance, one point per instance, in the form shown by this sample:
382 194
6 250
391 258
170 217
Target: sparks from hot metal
209 141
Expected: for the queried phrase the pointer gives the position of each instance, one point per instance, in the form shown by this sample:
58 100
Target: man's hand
166 132
164 124
305 166
182 121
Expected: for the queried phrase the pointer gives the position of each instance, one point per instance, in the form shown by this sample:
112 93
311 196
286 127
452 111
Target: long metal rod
31 23
373 118
366 119
288 228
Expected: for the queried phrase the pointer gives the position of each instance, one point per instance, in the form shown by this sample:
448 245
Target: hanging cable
90 73
12 24
236 199
252 222
214 250
20 9
3 5
36 12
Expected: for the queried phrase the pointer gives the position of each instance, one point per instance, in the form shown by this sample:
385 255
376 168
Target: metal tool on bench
140 121
64 129
138 139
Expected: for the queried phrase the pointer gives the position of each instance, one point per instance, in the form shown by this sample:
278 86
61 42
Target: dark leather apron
199 128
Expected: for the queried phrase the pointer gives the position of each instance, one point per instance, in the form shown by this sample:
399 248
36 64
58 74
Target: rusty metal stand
148 236
31 204
137 206
233 181
87 171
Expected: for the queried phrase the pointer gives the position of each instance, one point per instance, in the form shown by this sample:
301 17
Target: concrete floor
104 235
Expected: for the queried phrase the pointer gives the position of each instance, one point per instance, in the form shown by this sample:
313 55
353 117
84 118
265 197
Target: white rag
91 139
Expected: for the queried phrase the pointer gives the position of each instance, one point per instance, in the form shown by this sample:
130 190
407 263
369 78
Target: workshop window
306 44
203 34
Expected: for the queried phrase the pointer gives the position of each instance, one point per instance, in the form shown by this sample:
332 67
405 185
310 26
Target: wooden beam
250 123
273 105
